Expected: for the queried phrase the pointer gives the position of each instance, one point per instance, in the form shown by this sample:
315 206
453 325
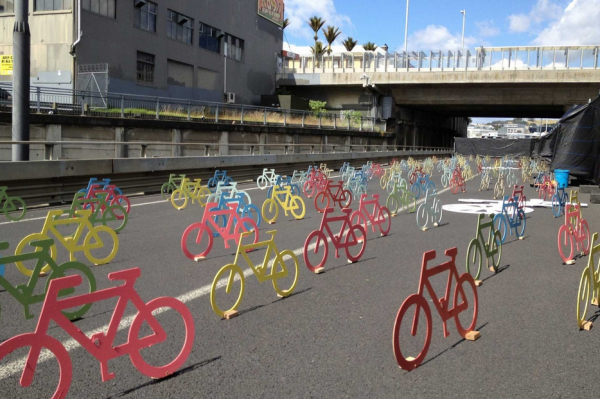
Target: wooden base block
230 314
473 335
424 229
587 326
570 262
521 238
319 270
199 258
410 358
44 274
349 261
436 224
492 269
478 283
595 302
394 215
271 222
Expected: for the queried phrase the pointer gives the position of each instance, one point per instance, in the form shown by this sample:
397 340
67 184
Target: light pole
464 13
406 34
21 51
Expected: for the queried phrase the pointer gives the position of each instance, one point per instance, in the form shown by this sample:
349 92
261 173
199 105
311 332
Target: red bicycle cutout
412 178
226 223
522 199
377 170
379 216
575 229
352 240
112 196
316 181
457 182
101 345
459 304
341 197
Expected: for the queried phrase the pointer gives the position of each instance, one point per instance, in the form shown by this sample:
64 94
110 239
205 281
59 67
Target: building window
145 67
144 15
102 7
52 5
7 6
180 27
208 38
234 47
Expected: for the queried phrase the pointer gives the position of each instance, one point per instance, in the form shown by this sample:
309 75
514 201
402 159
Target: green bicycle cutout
114 216
173 184
492 248
25 293
189 190
279 270
401 198
12 205
91 242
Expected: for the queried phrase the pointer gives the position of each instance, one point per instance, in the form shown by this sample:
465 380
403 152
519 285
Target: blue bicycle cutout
559 200
220 176
510 218
422 185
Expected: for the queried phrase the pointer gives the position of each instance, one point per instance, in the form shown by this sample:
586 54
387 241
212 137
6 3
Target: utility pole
464 13
21 52
406 35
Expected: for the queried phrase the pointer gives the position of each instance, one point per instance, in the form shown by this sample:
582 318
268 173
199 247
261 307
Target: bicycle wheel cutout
227 289
411 340
286 263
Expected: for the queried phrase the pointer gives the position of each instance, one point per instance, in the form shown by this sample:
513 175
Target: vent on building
230 98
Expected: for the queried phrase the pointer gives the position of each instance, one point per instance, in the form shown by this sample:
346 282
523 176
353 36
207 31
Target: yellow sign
271 10
6 64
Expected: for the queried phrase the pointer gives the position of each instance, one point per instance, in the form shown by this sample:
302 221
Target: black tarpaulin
494 147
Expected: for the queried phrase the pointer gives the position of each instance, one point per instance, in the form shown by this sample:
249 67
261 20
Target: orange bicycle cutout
232 229
92 244
379 215
445 309
341 196
575 229
101 345
316 246
233 273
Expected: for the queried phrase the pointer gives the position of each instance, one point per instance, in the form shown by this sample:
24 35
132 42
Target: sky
437 24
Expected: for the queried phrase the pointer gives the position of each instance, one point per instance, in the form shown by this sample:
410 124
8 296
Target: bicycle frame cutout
574 229
11 204
479 246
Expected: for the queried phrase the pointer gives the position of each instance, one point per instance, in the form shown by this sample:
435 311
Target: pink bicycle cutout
351 237
341 196
575 230
226 223
379 216
444 307
521 198
100 345
112 196
315 182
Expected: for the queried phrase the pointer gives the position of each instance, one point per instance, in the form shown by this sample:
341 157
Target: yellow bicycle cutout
189 190
289 202
233 273
590 281
91 241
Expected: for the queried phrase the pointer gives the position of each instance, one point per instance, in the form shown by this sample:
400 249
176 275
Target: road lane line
16 366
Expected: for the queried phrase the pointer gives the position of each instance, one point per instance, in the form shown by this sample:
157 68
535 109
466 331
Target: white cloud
518 23
487 28
578 24
437 37
299 12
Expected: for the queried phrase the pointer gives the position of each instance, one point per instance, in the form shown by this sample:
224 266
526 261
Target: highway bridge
332 336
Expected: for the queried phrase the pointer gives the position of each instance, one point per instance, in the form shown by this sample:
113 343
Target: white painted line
24 220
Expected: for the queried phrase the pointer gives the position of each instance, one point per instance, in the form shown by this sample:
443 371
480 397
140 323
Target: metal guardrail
117 105
314 148
483 58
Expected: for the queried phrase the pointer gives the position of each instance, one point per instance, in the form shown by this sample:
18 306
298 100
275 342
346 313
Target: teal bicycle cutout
25 293
492 248
429 211
511 218
12 206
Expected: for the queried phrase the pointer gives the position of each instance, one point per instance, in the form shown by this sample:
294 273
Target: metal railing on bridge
58 101
483 58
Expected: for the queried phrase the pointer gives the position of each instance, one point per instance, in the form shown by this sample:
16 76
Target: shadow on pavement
500 270
241 312
176 374
347 265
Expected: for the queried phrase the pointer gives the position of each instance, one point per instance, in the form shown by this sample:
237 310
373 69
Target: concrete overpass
503 81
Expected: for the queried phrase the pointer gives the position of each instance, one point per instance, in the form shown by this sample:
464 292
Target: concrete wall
254 76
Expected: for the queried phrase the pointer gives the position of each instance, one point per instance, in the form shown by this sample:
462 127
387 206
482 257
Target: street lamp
221 35
406 32
464 13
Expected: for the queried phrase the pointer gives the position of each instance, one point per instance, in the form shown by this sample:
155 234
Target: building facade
200 49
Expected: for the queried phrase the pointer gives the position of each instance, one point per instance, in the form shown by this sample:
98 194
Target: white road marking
16 366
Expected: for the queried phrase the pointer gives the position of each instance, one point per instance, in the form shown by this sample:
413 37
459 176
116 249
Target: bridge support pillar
224 143
384 145
176 137
348 144
54 133
295 140
120 136
324 143
262 140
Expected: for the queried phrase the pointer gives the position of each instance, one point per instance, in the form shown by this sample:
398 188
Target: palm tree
316 23
369 46
331 33
349 43
286 23
318 50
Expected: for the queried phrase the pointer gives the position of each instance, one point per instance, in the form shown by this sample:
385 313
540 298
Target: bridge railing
483 58
59 101
240 149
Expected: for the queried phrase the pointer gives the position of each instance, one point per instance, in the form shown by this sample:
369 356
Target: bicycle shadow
575 258
347 265
175 374
253 308
500 270
513 241
447 349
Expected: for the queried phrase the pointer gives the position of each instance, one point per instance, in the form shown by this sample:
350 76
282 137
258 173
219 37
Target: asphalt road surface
332 337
